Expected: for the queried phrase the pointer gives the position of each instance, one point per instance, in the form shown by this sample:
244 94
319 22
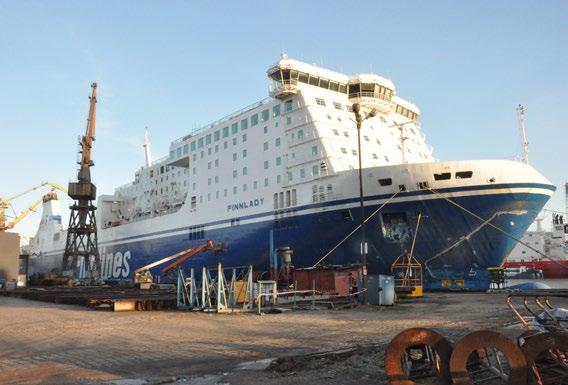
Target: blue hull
455 247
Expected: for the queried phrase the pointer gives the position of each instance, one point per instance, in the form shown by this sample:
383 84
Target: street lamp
359 119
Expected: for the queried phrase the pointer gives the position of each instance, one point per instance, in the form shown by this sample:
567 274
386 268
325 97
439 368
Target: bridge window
385 182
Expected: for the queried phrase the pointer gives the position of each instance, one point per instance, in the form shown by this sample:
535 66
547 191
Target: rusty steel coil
537 344
412 338
487 339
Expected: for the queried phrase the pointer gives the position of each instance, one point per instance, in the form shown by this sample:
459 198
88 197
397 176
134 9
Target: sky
177 65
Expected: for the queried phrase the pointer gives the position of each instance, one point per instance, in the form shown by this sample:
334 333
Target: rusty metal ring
487 339
415 337
540 343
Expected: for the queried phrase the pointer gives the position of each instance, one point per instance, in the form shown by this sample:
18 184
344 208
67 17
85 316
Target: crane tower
81 245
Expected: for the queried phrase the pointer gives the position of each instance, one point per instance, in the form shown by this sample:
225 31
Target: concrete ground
43 343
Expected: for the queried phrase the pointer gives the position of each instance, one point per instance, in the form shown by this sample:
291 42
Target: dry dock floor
42 343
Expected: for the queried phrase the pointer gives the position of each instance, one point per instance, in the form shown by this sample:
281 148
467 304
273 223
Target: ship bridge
371 90
287 75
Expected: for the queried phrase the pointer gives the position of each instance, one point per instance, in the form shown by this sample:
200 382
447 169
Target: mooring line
497 228
357 228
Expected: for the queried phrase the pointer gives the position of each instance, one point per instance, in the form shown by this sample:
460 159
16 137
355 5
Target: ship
540 254
284 173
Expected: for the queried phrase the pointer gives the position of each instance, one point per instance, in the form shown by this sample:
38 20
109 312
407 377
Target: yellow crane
7 203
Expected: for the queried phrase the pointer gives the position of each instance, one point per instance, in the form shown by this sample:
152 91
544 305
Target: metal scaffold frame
215 292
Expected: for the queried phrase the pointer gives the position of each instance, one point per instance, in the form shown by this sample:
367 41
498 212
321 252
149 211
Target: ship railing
223 119
364 94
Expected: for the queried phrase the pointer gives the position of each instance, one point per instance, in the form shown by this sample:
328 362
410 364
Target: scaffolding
220 290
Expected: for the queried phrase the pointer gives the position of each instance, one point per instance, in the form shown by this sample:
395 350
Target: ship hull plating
455 247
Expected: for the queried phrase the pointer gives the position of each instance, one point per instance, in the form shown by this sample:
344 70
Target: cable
356 228
499 229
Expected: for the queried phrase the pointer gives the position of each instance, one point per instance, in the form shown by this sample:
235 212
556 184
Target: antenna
524 142
147 148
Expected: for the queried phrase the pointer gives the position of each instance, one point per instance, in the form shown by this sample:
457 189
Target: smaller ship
546 256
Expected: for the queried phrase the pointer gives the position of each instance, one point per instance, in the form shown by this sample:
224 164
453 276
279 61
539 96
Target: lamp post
359 119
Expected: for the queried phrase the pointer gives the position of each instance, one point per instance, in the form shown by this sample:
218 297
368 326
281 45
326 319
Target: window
354 152
255 185
300 134
209 165
225 132
378 142
265 182
208 181
244 137
244 153
234 156
314 150
265 164
193 147
225 145
216 179
343 150
253 120
216 162
290 176
178 151
200 143
315 170
217 136
346 134
264 115
366 138
244 187
337 106
320 102
464 174
385 182
276 110
216 148
288 106
185 148
288 120
277 142
387 159
401 187
234 141
234 190
244 124
375 156
265 129
202 154
275 201
302 173
265 146
208 139
443 176
244 171
234 128
209 151
234 173
335 132
278 161
278 179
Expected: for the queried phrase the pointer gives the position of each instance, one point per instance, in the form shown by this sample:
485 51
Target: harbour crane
82 244
7 203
